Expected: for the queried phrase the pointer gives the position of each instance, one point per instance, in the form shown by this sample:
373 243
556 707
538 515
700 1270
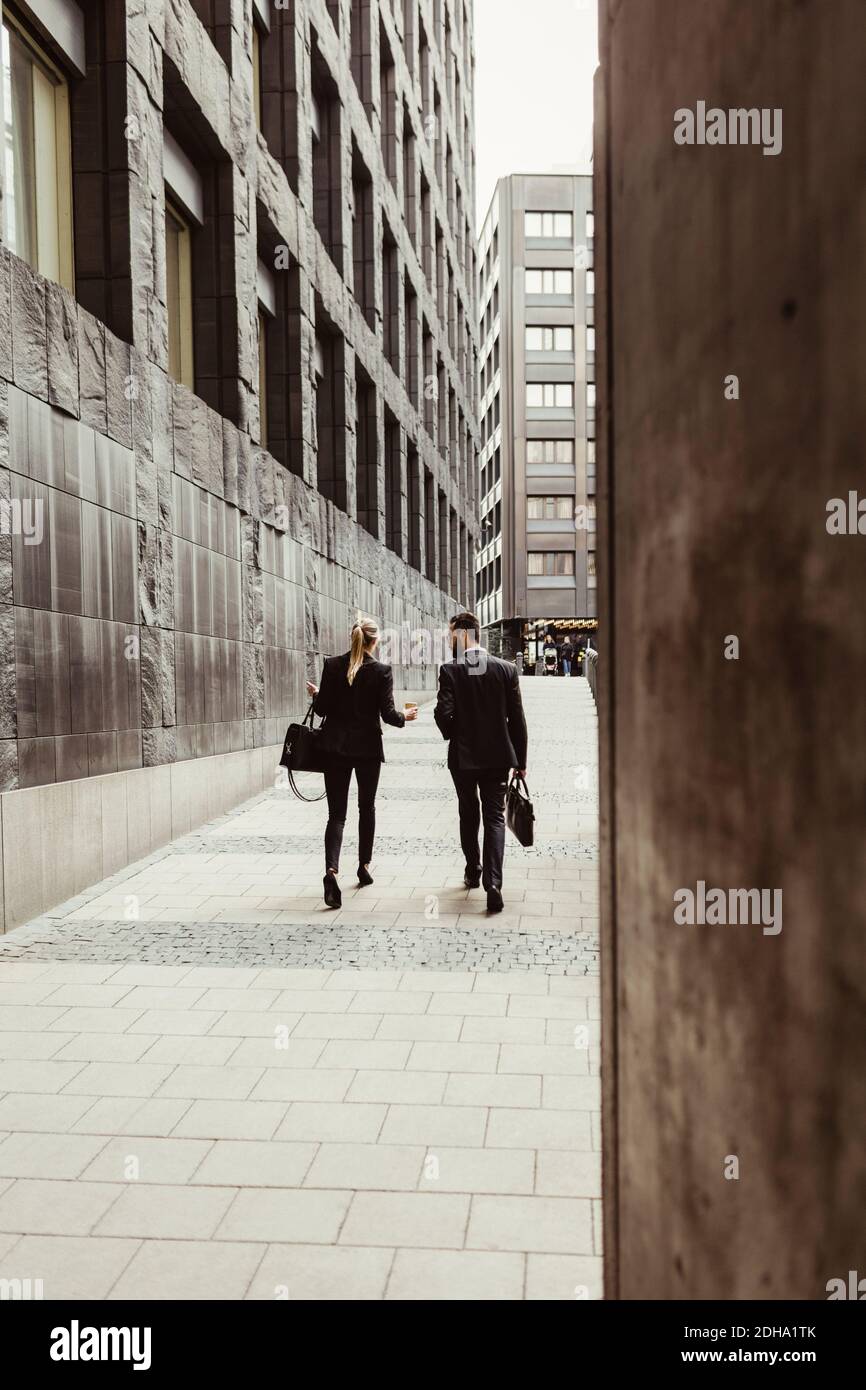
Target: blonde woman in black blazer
356 692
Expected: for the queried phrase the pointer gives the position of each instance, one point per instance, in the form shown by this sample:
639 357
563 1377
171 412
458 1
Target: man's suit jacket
352 728
480 712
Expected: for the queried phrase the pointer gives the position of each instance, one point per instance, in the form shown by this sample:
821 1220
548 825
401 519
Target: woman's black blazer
352 712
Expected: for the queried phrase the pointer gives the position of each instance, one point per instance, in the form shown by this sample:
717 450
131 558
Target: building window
491 524
552 282
263 377
550 451
261 31
590 283
257 73
549 224
178 291
549 339
550 395
389 102
184 213
363 247
38 161
590 564
266 296
315 121
550 562
590 340
549 508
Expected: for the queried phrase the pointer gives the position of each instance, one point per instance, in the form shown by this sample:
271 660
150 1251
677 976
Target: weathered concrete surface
720 1040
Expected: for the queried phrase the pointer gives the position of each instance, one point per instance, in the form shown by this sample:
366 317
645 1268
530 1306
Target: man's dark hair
467 622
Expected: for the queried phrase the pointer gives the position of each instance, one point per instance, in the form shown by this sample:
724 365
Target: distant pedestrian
550 657
566 654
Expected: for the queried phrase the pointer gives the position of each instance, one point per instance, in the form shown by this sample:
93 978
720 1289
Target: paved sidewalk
212 1087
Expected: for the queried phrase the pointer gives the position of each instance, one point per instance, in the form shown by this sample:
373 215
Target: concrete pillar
738 764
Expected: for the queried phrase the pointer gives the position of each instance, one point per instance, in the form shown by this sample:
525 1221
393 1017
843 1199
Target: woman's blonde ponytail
365 635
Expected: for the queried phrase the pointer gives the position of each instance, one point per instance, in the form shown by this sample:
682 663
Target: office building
536 570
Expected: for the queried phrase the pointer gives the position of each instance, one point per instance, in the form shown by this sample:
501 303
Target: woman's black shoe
364 878
333 896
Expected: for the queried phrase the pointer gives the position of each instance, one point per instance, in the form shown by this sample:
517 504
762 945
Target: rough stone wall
716 260
186 580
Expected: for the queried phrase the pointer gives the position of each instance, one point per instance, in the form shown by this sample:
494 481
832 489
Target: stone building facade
176 558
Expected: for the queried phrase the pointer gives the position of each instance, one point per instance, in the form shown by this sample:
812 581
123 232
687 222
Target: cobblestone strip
345 946
585 851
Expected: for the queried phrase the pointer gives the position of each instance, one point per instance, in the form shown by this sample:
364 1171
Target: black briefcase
302 752
519 814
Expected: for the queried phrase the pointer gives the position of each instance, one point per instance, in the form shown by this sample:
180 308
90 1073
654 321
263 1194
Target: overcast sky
533 94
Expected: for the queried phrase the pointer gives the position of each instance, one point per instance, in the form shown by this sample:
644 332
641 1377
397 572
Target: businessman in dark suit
480 712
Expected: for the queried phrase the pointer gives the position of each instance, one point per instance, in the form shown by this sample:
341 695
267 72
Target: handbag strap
299 794
308 717
519 785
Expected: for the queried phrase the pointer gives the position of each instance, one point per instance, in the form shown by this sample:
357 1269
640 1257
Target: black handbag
518 811
302 752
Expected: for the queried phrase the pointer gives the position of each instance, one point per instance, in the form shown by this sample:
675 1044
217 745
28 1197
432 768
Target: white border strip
182 178
266 289
64 21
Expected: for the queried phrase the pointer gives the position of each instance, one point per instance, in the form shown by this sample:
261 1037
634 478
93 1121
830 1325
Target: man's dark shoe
494 900
472 880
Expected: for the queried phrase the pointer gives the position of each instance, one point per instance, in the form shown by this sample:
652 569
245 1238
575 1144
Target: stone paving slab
211 1087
